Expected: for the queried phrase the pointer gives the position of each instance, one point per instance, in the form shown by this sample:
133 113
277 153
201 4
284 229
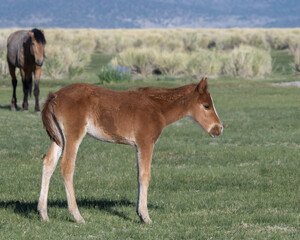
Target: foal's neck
174 103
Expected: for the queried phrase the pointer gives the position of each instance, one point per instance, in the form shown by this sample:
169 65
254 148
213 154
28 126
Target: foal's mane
39 35
168 94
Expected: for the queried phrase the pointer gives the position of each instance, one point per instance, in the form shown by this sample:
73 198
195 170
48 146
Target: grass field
243 185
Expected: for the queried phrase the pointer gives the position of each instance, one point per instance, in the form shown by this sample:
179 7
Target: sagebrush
173 52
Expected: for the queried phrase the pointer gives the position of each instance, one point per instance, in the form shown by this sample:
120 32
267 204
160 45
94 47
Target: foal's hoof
80 221
146 219
13 109
46 219
44 216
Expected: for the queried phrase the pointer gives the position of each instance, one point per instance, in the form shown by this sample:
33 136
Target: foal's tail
49 120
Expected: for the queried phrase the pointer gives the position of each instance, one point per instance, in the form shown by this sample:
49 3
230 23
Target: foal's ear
202 86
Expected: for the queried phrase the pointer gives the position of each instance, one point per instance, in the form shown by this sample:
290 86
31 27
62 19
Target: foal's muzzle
216 131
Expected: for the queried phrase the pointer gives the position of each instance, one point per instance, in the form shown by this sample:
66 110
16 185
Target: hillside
149 14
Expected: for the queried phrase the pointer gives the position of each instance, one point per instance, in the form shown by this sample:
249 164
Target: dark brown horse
25 50
135 118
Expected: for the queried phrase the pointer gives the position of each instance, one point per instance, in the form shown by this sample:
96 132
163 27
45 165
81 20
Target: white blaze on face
214 124
214 106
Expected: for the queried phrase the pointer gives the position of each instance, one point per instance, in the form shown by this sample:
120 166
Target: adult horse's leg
27 84
144 158
37 75
67 169
12 71
50 162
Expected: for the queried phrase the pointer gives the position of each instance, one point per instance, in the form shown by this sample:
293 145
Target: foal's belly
107 135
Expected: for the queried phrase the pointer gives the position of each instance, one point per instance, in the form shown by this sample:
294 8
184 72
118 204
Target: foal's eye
206 107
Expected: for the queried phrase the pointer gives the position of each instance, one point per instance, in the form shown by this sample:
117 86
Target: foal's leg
50 162
144 158
37 75
67 169
12 71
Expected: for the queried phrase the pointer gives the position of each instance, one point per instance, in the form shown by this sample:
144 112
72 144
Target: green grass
243 185
282 62
98 60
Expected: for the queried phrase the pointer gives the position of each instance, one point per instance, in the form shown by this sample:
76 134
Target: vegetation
165 52
242 61
109 74
242 185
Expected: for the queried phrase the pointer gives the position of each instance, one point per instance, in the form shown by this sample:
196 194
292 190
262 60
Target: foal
134 117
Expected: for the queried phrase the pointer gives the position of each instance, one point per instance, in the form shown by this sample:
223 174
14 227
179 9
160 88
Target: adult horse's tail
50 122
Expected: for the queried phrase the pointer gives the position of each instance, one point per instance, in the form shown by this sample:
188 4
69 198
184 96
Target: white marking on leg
142 209
47 173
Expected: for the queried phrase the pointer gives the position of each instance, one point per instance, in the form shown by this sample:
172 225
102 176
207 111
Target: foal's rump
49 120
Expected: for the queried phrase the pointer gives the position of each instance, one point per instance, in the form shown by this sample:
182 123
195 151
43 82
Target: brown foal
134 117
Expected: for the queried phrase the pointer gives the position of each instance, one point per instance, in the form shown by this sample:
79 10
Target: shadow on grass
7 107
26 209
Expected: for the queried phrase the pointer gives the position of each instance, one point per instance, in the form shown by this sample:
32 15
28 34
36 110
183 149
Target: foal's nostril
216 131
212 132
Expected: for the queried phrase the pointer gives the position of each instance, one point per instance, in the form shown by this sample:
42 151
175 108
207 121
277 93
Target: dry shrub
3 62
140 61
170 63
203 42
4 71
146 61
246 61
204 63
87 45
190 42
60 60
173 52
230 42
258 41
295 51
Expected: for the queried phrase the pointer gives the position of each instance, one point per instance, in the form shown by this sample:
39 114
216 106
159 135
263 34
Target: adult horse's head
204 112
37 45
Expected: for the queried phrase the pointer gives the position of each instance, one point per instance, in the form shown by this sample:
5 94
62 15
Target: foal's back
107 115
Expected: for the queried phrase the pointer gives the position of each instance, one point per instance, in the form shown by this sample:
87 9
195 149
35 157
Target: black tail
49 120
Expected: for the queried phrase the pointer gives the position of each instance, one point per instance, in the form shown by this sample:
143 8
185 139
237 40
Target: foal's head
37 45
204 112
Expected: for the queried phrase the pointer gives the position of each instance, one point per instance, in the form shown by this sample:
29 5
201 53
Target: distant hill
149 14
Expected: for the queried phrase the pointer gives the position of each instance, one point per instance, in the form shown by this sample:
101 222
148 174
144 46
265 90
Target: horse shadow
28 209
6 107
